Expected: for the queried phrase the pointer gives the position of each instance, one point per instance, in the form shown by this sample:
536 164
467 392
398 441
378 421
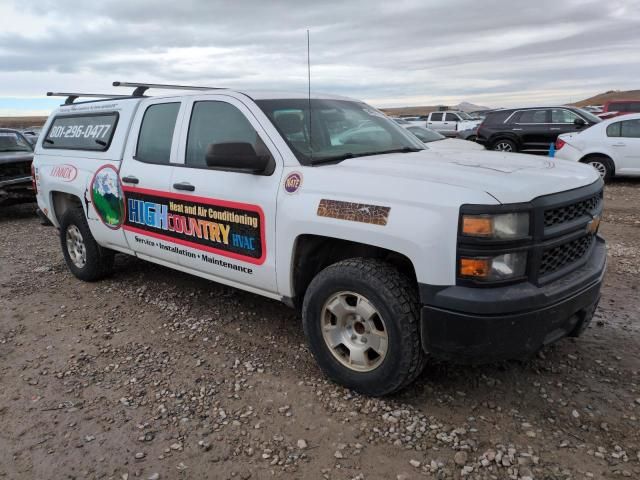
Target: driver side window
217 122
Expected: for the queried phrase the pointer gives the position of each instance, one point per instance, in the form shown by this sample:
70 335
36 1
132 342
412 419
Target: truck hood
508 177
453 144
15 157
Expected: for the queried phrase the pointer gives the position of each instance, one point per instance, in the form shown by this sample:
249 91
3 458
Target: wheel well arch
63 201
591 155
504 136
312 253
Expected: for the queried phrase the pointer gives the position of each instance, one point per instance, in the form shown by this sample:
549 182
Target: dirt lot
155 374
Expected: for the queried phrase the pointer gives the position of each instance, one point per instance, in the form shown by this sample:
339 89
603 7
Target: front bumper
467 324
16 190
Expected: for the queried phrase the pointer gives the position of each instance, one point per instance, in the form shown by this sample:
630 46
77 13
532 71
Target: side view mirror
238 157
578 122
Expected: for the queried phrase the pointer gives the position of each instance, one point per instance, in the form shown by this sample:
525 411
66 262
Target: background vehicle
612 146
437 142
531 129
391 251
479 114
450 122
401 121
614 108
595 109
31 134
16 154
469 134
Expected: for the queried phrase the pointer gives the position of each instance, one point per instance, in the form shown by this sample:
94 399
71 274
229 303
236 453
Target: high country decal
234 230
353 212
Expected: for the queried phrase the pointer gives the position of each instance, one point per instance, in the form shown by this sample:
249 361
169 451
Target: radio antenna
309 94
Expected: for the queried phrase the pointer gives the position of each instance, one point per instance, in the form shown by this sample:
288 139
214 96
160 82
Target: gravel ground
155 374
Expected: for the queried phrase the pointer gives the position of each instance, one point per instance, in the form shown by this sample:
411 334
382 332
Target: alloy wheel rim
354 331
76 247
503 147
602 170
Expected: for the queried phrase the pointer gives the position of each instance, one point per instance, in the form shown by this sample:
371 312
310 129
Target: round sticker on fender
293 182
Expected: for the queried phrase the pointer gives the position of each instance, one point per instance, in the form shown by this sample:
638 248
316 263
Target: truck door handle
184 186
554 129
130 179
619 145
516 129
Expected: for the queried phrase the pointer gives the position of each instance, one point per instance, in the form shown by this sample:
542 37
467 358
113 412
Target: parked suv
393 253
450 122
531 129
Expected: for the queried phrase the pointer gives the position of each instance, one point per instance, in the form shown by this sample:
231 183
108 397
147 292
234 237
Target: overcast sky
389 53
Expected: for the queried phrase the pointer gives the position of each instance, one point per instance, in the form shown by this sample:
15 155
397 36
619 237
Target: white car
437 142
612 147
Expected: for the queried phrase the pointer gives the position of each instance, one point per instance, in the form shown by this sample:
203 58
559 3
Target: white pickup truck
392 252
451 122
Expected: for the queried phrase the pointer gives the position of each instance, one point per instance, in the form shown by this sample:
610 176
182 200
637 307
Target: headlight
501 267
504 226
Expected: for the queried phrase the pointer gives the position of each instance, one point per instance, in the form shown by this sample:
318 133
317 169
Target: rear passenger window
630 129
533 116
82 132
436 117
613 130
217 122
156 133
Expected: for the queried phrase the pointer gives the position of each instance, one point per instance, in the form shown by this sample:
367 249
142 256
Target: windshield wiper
346 156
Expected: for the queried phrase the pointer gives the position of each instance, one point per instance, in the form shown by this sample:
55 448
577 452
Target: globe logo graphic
107 197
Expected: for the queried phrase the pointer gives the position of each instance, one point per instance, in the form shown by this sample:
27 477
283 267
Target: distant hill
425 110
610 95
21 122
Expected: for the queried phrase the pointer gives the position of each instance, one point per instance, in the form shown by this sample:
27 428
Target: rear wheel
361 319
86 259
505 145
603 165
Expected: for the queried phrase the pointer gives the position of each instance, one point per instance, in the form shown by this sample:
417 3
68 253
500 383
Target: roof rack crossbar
73 96
141 88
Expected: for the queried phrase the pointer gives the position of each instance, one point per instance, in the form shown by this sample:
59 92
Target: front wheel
361 319
86 259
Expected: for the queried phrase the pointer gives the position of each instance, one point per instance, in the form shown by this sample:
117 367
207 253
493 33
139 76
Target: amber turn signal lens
477 226
475 267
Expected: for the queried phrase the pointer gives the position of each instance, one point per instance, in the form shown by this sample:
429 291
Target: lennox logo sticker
293 182
66 173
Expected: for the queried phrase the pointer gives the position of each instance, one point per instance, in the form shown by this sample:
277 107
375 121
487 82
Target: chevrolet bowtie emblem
593 225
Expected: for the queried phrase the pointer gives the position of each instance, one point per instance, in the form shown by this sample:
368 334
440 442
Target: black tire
395 298
603 165
471 138
504 145
99 260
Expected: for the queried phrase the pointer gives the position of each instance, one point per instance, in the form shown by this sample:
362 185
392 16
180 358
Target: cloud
405 52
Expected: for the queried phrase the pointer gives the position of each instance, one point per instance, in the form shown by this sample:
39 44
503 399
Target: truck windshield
14 142
336 129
